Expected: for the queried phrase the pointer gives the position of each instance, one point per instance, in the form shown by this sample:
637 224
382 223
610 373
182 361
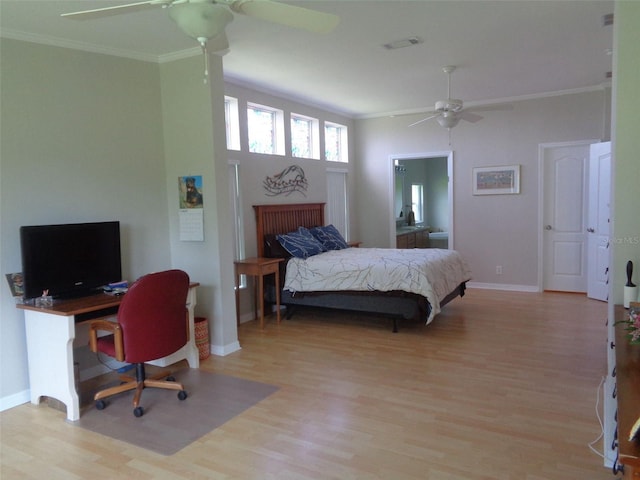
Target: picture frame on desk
15 284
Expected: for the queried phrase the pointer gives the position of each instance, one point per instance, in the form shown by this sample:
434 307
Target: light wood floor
501 385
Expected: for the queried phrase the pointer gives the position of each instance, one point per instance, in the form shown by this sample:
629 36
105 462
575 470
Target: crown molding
88 47
92 48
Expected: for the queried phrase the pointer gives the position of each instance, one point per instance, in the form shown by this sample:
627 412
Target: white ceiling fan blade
115 10
425 119
413 114
290 15
470 116
496 107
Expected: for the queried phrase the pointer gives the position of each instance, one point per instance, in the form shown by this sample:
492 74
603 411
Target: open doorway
431 174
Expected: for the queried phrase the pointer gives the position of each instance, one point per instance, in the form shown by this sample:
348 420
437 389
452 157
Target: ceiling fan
449 112
205 20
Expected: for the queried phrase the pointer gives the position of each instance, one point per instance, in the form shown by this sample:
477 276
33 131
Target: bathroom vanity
420 237
412 237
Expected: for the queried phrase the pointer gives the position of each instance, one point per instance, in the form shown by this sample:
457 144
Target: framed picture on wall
499 180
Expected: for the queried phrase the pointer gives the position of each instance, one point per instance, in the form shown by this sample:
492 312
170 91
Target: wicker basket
201 327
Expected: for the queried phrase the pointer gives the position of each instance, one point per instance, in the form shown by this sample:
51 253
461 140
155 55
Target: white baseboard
14 400
223 350
504 286
20 398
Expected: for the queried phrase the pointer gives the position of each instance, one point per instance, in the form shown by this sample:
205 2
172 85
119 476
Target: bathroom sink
439 235
410 228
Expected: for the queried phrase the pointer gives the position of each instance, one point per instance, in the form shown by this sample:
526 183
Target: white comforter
430 272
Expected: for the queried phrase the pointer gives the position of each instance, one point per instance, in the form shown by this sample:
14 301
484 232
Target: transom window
304 137
265 129
232 123
335 142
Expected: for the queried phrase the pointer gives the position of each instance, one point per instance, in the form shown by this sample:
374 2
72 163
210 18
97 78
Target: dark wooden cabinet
422 239
414 239
628 396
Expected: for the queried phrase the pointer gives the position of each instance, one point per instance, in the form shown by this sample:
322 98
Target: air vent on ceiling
407 42
607 19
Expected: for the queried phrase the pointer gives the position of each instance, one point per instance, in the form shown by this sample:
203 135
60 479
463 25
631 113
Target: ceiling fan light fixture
200 20
448 120
449 105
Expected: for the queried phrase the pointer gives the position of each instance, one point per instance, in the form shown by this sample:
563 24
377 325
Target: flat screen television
70 260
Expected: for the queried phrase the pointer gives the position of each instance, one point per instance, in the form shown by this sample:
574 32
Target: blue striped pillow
329 237
301 243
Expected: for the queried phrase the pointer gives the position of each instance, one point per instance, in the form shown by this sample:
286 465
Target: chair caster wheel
182 394
138 411
171 378
100 404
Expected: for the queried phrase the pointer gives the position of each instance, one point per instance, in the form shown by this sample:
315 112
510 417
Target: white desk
50 334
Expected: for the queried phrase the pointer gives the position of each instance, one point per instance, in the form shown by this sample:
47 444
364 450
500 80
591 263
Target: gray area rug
168 424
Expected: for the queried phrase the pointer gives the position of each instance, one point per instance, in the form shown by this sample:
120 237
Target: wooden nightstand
258 267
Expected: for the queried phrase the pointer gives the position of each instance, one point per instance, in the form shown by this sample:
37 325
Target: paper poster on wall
191 212
191 191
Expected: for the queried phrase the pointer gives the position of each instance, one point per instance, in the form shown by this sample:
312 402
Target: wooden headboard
277 219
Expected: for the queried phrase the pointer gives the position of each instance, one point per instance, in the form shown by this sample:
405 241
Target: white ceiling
503 49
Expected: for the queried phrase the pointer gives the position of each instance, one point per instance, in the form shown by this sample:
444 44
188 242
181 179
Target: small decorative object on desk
630 288
633 323
45 300
117 288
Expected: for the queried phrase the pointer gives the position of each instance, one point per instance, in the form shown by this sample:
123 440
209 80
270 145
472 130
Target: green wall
625 239
82 140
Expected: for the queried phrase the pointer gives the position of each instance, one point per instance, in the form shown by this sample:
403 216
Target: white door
564 240
598 221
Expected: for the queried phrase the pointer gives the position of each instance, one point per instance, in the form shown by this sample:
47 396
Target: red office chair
152 323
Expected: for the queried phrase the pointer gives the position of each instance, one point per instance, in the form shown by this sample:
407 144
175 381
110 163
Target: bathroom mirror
426 179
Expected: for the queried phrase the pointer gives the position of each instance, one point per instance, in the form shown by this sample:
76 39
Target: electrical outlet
498 269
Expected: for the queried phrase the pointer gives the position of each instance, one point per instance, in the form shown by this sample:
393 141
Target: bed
420 297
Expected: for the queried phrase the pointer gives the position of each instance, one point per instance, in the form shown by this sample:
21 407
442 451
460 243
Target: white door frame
542 147
392 185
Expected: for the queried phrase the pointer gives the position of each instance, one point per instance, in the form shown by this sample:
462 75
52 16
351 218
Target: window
335 142
265 127
304 137
417 202
232 123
